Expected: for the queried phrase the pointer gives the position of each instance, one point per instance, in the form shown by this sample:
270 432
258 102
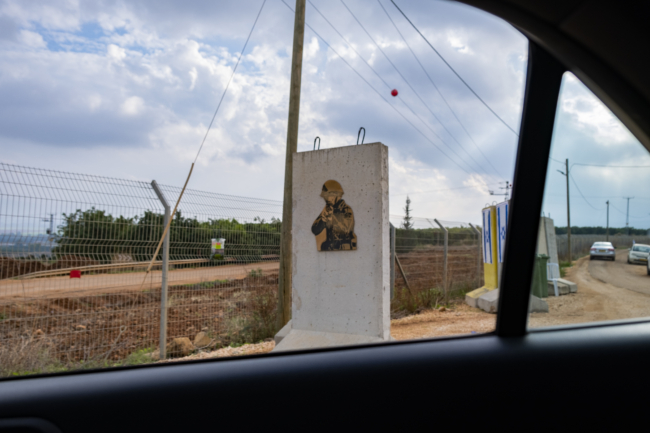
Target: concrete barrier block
573 287
489 302
536 305
564 287
282 333
471 298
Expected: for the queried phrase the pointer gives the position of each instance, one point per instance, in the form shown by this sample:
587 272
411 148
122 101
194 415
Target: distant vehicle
648 267
638 254
602 250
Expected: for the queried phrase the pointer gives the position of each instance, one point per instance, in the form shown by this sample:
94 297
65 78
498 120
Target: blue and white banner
487 235
502 224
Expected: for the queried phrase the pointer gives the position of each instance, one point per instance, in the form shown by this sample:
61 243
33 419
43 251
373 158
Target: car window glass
599 269
124 100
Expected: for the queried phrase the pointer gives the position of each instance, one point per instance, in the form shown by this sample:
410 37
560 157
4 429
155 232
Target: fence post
478 259
392 261
165 266
444 260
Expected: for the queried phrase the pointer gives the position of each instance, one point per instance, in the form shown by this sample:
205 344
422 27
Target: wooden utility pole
284 289
568 210
607 233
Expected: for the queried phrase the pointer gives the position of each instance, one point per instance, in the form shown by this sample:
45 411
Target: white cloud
32 39
132 106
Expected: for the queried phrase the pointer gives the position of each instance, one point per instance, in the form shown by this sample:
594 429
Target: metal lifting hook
317 138
359 135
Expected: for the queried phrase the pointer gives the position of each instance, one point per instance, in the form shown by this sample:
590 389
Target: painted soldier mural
334 227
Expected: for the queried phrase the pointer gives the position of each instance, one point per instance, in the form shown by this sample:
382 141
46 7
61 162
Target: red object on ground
394 92
75 273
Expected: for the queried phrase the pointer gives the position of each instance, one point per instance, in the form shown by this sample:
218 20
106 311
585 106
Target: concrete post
444 261
478 257
392 261
165 266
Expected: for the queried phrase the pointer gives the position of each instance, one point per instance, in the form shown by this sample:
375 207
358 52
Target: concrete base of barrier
489 302
564 287
297 339
282 333
471 298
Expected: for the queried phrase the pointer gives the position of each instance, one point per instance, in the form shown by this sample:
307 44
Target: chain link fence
74 249
436 261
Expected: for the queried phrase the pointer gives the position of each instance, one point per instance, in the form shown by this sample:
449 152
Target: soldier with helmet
337 219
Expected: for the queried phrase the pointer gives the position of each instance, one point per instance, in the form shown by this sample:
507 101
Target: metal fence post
478 258
392 261
444 261
165 266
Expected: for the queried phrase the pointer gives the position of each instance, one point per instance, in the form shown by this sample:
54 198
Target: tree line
100 236
600 231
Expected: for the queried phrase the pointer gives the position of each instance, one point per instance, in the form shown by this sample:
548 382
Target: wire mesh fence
74 249
432 270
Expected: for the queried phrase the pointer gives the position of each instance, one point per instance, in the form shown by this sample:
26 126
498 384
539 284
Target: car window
597 177
123 104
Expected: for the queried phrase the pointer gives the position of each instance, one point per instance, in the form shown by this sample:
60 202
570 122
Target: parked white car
638 254
602 250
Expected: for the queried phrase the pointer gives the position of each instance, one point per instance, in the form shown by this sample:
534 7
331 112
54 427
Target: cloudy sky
127 90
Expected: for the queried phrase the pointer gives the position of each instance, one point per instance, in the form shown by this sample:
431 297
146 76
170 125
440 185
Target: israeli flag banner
502 224
487 236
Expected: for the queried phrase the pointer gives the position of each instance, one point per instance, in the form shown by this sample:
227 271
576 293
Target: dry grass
225 352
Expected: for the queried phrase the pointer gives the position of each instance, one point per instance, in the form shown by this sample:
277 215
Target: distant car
602 250
638 254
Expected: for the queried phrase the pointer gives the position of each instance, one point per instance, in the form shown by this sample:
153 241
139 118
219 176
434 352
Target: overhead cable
162 238
611 166
439 92
454 71
441 190
388 86
414 91
229 80
377 92
583 197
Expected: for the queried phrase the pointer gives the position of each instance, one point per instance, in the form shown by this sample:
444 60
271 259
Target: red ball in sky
394 92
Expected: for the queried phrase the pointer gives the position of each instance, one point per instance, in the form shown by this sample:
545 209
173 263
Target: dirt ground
606 291
17 289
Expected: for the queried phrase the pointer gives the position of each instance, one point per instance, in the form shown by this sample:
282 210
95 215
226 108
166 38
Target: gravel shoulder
606 291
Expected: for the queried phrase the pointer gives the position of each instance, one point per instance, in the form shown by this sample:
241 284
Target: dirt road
606 291
104 283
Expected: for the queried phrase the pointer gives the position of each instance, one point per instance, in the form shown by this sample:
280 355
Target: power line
631 216
578 188
387 85
438 90
414 91
454 71
439 190
229 80
611 166
377 92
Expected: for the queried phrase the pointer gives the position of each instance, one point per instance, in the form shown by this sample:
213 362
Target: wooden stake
403 275
284 289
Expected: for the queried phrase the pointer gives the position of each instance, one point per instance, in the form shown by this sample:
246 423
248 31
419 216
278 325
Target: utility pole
507 188
607 233
627 216
284 288
568 208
